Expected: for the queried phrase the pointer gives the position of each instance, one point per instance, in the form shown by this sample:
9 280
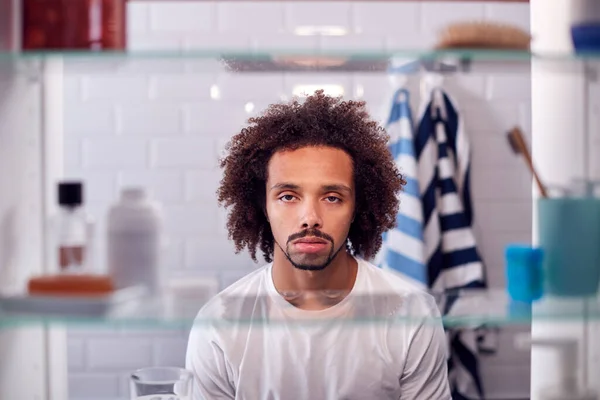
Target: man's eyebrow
285 185
326 188
337 188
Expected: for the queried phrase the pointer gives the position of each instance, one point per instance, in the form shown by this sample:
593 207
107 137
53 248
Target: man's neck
308 287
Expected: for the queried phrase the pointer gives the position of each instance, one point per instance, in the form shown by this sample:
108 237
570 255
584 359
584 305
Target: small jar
74 24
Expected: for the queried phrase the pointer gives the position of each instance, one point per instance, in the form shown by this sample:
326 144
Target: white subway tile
170 352
242 17
72 87
389 18
185 152
174 254
492 150
148 42
215 44
466 87
152 333
525 117
412 43
498 183
211 253
219 118
150 65
115 87
319 81
90 66
516 14
230 277
496 117
356 42
87 333
509 87
183 220
88 385
505 216
254 87
149 120
75 354
164 186
99 186
138 18
72 148
201 185
115 153
182 87
119 352
377 87
284 43
83 119
329 13
182 16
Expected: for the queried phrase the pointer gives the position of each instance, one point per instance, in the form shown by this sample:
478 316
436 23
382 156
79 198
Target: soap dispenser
568 387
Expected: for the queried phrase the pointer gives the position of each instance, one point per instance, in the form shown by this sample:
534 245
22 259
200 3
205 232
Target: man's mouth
310 245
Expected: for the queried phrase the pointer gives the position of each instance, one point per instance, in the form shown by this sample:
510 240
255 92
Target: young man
313 186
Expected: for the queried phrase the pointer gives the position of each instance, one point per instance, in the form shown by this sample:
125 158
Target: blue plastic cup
524 276
569 234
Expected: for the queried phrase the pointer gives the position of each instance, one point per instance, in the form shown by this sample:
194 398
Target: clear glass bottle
73 232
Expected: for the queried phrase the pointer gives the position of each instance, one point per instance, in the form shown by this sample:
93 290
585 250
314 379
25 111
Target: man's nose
311 216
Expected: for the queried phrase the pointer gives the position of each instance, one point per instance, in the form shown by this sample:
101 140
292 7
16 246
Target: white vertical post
32 358
559 112
53 170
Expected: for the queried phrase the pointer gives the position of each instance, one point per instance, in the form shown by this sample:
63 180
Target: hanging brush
517 143
483 35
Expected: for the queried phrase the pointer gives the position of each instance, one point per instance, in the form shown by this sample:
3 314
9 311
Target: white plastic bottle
134 241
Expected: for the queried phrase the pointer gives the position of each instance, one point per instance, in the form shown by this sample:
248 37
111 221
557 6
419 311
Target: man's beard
319 263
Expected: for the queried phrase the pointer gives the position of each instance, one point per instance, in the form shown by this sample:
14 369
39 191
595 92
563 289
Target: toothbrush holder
569 235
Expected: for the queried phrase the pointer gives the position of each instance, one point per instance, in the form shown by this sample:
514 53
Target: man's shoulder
229 302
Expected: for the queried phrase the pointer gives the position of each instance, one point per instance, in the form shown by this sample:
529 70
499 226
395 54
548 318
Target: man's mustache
310 232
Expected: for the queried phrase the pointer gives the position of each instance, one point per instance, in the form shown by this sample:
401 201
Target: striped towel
403 247
453 262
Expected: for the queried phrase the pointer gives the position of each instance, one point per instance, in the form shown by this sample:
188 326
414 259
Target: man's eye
287 197
333 199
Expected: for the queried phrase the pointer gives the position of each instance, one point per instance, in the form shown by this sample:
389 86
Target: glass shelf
467 309
325 60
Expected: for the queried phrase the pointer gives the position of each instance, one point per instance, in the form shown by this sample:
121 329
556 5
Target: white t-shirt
384 340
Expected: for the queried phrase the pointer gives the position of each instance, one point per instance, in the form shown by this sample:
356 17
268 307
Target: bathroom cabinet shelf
325 60
469 308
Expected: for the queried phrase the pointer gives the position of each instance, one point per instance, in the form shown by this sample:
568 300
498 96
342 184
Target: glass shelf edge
473 54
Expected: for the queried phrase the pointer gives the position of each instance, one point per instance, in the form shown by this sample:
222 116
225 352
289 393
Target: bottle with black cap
73 227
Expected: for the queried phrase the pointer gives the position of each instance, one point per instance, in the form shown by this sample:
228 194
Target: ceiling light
307 90
320 30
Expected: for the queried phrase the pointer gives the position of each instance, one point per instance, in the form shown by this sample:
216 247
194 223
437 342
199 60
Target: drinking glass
161 383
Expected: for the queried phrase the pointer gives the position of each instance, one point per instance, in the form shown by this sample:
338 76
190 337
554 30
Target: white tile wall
153 122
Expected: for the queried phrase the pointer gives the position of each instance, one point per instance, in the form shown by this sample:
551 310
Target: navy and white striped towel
403 247
453 261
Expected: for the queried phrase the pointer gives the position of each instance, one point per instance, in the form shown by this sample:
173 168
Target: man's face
310 204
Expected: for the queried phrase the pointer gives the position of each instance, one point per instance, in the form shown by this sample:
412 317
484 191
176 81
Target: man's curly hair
320 120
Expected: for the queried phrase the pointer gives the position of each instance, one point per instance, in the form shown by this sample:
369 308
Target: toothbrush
517 143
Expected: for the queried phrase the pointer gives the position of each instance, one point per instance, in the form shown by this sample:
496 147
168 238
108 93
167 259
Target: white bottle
134 242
